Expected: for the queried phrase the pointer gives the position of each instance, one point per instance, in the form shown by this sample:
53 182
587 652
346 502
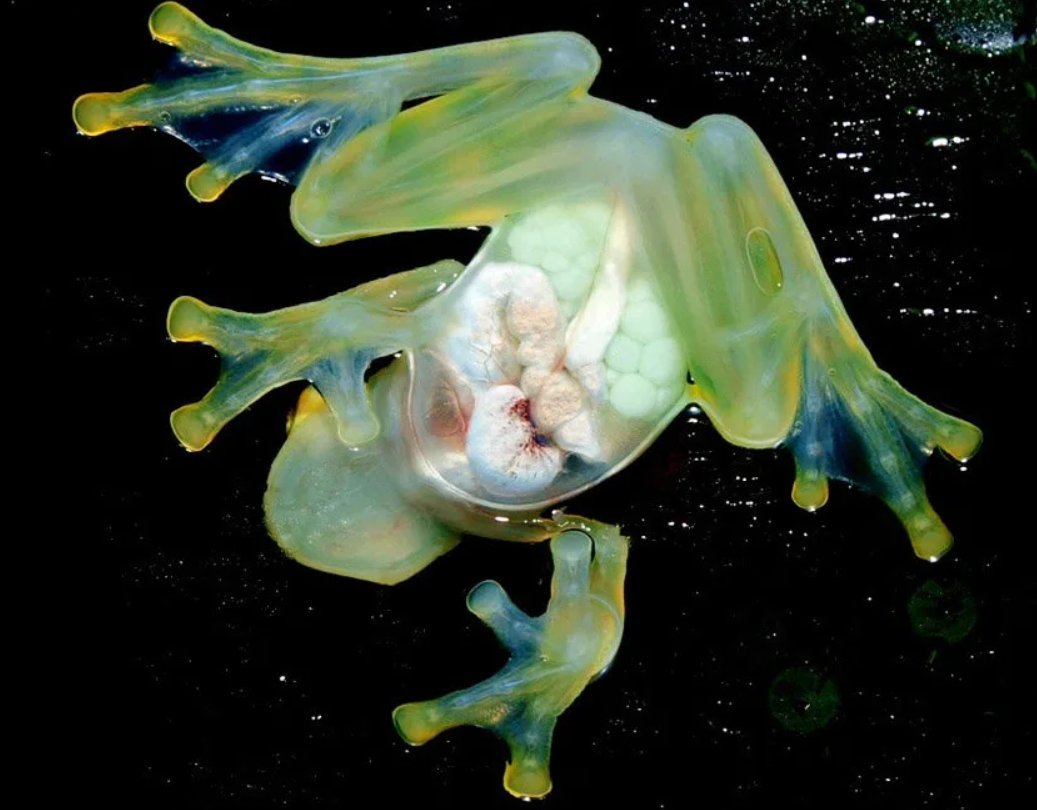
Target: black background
184 662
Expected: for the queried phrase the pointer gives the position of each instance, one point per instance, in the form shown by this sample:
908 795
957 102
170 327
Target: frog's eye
507 454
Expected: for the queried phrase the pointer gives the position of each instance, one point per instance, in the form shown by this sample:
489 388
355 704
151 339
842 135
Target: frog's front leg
333 126
329 342
553 656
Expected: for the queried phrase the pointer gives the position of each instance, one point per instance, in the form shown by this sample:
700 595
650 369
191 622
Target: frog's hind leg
250 109
329 342
338 508
774 356
553 656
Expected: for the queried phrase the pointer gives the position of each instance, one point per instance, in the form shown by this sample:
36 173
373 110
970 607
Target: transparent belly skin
632 268
556 364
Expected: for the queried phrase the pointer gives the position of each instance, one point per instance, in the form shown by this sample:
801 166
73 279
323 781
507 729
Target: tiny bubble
320 128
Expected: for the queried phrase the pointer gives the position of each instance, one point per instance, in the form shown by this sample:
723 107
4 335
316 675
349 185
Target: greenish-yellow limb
856 423
329 343
553 657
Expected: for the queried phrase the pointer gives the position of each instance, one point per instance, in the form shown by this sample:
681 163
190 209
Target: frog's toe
208 181
527 775
190 321
175 25
571 551
810 489
515 630
957 438
194 425
95 113
856 423
417 723
527 780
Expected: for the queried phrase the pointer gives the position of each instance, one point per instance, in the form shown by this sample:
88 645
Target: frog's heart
507 454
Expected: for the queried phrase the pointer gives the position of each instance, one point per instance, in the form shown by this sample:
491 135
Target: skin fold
632 268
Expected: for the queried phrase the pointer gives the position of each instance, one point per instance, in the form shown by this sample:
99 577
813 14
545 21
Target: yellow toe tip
963 442
190 427
810 493
412 724
92 113
527 783
169 22
931 542
188 319
206 184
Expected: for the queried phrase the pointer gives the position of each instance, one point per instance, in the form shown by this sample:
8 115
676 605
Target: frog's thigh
743 272
466 158
336 508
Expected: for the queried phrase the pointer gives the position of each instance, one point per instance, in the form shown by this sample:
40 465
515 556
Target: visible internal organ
548 350
508 456
524 410
645 370
584 249
566 241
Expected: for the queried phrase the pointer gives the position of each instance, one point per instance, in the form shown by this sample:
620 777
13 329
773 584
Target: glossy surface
555 358
606 201
225 298
552 658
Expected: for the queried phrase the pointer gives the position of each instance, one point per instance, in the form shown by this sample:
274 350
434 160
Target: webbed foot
245 108
553 657
329 342
856 423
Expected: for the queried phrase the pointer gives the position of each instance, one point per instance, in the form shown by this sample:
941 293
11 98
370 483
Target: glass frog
632 268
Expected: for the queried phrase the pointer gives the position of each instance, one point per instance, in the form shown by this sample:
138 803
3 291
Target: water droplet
320 128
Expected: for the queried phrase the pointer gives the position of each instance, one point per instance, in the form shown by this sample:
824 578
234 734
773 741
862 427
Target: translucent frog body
632 268
556 366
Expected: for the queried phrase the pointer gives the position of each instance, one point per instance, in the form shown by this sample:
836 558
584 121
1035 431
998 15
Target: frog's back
557 364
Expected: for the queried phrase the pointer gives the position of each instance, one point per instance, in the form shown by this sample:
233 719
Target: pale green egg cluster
565 240
644 368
